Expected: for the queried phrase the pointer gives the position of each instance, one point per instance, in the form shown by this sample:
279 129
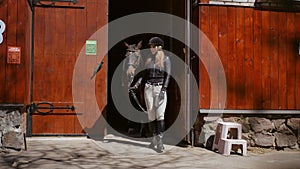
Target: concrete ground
118 152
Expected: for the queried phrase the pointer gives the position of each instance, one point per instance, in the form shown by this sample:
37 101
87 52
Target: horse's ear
126 44
139 44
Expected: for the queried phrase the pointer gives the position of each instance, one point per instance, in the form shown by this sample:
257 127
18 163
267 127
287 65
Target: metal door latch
48 107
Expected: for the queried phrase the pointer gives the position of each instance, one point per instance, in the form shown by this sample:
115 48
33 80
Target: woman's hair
159 57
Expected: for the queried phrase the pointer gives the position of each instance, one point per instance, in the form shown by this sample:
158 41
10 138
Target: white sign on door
2 29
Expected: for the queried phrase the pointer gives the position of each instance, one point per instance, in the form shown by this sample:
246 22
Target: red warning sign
13 55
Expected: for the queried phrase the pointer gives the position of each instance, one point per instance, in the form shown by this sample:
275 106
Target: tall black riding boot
160 134
153 131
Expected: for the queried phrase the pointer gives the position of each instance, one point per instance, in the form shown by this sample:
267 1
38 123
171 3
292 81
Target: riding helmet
156 41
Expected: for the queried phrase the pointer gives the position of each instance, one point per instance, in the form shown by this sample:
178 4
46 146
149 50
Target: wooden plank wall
259 53
60 34
14 86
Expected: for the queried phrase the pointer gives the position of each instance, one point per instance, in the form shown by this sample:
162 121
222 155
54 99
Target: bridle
133 55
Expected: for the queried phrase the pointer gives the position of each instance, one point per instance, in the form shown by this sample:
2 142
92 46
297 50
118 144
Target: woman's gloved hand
161 95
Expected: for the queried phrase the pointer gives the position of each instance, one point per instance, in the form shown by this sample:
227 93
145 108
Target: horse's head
133 49
133 55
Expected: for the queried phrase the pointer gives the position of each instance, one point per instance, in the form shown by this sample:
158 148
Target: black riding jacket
156 75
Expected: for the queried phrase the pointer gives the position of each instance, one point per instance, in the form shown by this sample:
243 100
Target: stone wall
11 129
279 132
268 131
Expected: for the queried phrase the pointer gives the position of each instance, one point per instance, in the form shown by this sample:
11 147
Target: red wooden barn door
258 51
60 35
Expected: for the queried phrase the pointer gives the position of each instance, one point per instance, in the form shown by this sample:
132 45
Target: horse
132 62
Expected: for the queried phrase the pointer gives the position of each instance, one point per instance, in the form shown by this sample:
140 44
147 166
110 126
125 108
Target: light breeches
155 107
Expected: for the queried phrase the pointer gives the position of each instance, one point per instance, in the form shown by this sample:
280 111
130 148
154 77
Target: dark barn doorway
118 9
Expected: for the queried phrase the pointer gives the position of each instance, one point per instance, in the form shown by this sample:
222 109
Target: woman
156 77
